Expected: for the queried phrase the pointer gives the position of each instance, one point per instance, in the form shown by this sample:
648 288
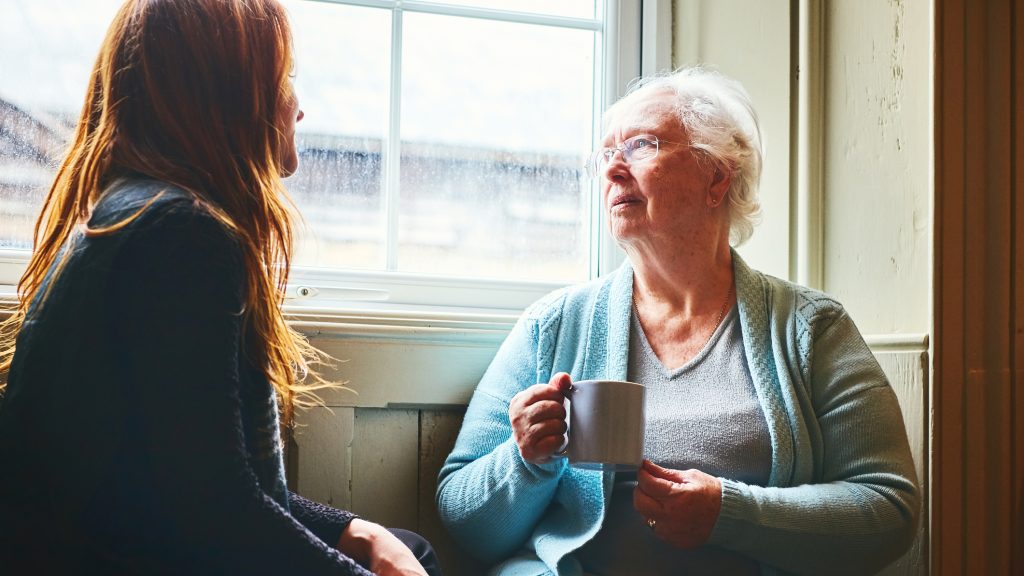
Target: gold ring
651 522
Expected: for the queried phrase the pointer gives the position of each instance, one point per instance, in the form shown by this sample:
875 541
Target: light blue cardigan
842 497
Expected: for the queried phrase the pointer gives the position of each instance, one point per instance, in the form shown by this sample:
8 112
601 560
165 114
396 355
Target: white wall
877 162
749 40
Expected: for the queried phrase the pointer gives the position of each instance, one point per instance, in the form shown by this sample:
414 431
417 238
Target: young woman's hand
380 551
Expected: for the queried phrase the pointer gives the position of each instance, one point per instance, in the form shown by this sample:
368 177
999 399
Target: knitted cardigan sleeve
489 498
860 511
179 290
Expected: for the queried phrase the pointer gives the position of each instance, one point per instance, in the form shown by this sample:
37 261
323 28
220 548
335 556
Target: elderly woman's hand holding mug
681 506
537 415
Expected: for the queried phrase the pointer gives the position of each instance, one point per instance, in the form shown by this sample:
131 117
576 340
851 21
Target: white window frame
637 40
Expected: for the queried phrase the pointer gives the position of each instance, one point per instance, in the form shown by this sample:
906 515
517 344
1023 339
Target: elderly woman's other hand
681 506
537 415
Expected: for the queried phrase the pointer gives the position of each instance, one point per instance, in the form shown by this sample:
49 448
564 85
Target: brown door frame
978 394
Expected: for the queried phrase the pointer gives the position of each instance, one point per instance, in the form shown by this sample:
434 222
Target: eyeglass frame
594 165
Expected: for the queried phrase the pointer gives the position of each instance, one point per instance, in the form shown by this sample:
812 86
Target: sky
465 81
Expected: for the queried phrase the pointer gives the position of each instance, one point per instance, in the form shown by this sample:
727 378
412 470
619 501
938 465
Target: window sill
420 325
379 321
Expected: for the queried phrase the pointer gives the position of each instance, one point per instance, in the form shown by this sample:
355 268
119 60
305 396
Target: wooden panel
907 372
321 458
1017 279
438 430
977 504
385 452
390 372
989 546
975 488
948 318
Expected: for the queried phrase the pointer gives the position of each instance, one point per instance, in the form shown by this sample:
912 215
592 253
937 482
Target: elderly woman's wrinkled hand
537 415
681 506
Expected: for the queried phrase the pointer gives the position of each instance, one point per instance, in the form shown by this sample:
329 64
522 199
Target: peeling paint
877 214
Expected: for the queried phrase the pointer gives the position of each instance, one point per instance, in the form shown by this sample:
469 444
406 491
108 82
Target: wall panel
908 373
976 504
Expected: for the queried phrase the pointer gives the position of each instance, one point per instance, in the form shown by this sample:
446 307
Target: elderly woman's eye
640 143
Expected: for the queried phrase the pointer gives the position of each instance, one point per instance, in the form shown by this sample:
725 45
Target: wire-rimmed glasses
636 149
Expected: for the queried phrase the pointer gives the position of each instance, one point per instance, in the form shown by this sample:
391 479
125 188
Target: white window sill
378 320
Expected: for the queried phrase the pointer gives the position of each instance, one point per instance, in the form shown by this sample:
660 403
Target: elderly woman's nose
617 167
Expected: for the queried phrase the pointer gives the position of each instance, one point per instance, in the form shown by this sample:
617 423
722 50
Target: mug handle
563 450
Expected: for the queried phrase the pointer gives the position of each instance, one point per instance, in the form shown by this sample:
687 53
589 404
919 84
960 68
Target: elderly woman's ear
721 181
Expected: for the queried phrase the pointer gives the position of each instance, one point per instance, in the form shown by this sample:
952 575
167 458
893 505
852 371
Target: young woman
148 360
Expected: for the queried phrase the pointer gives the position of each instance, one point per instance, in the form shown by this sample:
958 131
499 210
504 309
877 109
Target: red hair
189 92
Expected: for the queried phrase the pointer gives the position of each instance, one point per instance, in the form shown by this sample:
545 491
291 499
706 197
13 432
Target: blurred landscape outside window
460 155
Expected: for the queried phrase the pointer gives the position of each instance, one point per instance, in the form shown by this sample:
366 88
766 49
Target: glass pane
492 149
46 52
568 8
342 73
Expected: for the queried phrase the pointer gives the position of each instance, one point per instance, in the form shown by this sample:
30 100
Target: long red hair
189 92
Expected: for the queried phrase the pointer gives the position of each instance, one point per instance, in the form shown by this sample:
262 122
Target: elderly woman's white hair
716 113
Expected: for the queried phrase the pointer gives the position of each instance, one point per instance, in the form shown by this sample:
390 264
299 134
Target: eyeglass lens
633 149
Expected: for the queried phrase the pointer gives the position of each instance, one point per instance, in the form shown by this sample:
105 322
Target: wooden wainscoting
905 362
382 464
376 448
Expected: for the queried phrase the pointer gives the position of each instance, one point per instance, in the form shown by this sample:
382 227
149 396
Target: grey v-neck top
704 415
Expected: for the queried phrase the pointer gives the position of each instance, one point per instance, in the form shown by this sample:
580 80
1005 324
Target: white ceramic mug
606 425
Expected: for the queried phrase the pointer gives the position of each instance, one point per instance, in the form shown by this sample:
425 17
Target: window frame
636 40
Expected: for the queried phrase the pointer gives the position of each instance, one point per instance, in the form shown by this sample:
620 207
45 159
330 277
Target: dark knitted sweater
135 436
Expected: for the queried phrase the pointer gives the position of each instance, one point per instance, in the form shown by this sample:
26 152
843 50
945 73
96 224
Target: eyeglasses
635 149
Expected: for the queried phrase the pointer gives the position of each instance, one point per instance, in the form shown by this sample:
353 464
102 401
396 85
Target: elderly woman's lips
621 200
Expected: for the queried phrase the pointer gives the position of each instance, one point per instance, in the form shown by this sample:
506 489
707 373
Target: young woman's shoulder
160 229
157 212
128 199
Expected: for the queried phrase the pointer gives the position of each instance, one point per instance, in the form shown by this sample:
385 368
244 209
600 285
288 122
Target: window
441 150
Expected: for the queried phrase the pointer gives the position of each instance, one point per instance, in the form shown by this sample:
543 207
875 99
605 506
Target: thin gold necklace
721 313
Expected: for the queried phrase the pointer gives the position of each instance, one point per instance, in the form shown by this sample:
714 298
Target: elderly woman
779 444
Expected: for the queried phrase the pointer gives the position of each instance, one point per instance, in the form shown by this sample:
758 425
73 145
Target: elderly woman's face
661 199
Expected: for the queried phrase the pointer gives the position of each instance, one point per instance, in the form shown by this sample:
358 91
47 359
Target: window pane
496 120
46 52
490 147
569 8
342 70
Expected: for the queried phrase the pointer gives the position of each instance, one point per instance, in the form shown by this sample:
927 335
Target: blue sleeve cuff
730 517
